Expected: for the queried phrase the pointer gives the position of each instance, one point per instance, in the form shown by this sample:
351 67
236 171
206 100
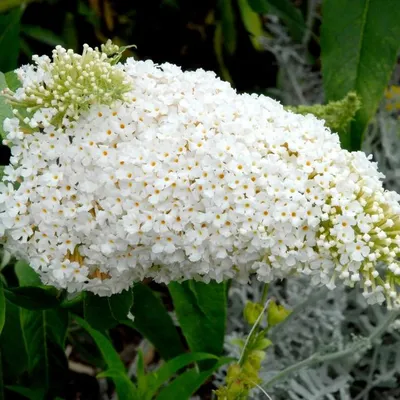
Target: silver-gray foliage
331 331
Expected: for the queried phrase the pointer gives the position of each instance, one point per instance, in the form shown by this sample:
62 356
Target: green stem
317 358
264 293
252 331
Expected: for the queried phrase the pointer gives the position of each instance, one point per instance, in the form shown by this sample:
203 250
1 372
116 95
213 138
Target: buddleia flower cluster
143 171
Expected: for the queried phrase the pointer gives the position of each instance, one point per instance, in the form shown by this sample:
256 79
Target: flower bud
276 313
252 311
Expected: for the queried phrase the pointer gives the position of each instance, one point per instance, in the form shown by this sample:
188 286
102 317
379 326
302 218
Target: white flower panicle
184 178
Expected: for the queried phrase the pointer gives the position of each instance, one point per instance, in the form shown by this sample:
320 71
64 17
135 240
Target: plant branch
254 327
317 358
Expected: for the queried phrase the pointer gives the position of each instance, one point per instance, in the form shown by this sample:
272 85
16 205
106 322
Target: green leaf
201 310
31 394
6 5
153 322
42 35
111 357
116 370
141 378
253 24
259 6
105 312
218 49
33 297
72 301
286 11
13 345
9 39
12 80
26 48
228 25
123 385
38 335
5 109
33 341
121 304
26 275
163 374
70 32
44 337
5 256
359 50
187 383
2 307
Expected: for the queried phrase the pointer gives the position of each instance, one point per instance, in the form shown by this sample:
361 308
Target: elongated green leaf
43 332
106 348
5 256
141 377
44 335
201 311
2 307
31 394
6 5
121 304
123 385
187 383
38 328
252 22
33 297
5 109
228 25
359 50
290 15
13 345
218 49
116 370
106 312
152 321
26 48
9 39
26 275
286 11
163 374
259 6
73 300
42 35
70 32
12 80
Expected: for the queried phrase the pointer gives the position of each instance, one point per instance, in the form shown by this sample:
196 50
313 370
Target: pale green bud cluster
70 83
381 244
277 313
243 376
337 114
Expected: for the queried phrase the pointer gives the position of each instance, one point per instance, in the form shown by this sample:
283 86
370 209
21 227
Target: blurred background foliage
219 35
